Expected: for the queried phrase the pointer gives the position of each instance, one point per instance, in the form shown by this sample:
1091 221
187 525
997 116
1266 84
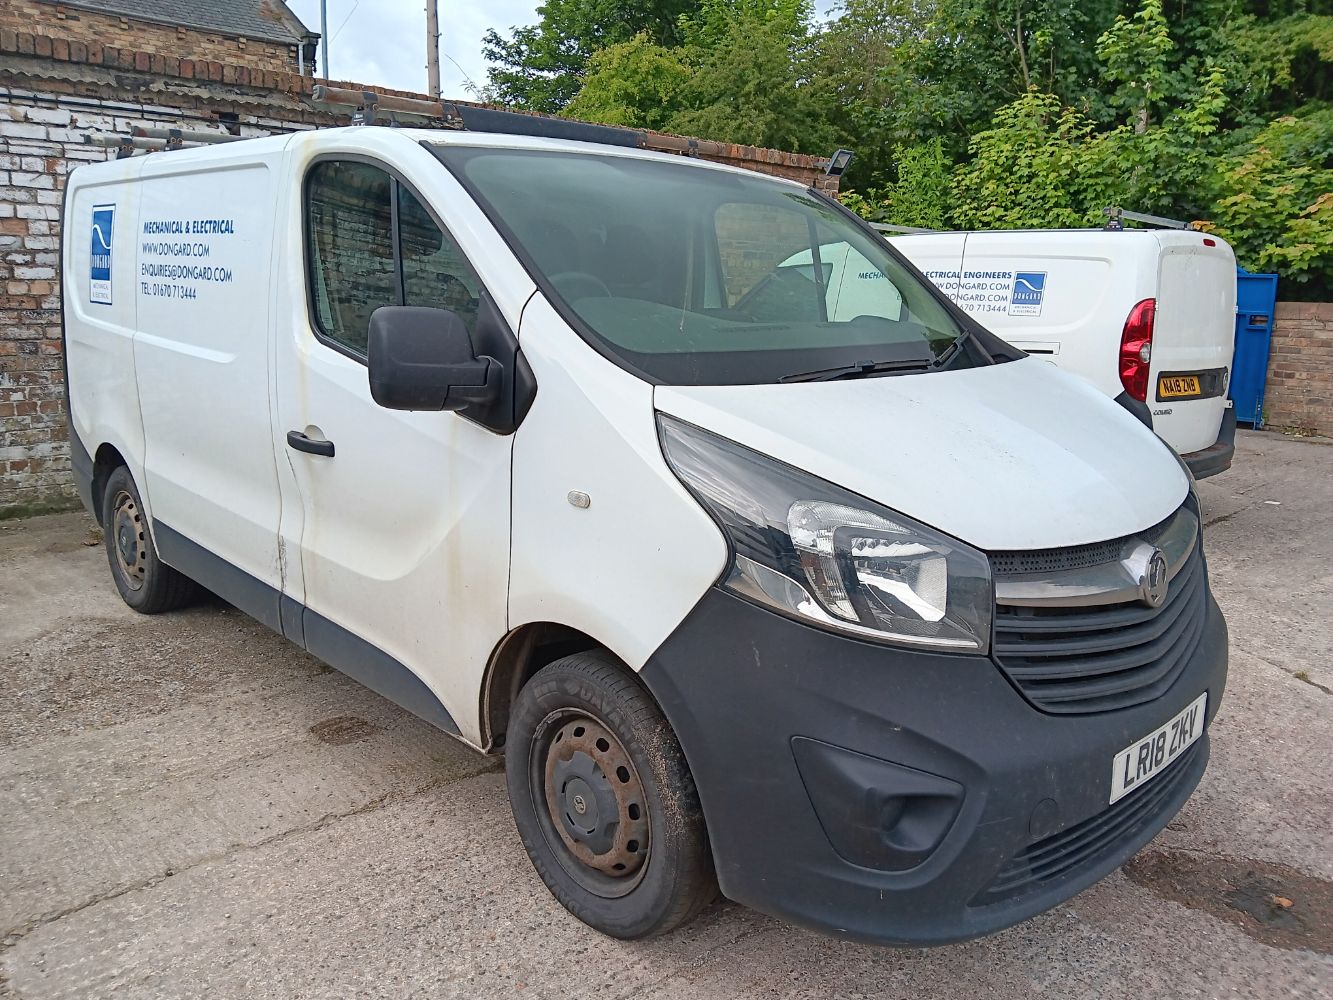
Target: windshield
694 276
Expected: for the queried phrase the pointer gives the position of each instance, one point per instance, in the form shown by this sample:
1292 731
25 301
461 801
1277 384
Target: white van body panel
629 567
1090 281
970 472
99 337
205 246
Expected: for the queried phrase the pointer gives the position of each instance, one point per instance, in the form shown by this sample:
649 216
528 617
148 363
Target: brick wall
53 92
1299 394
82 26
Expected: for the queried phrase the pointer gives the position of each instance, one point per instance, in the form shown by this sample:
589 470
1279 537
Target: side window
350 225
372 243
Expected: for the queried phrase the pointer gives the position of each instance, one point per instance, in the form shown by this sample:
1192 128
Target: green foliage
1039 165
747 83
540 67
919 197
982 113
737 76
1135 54
1277 209
634 83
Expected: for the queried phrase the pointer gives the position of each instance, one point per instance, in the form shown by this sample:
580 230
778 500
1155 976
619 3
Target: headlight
808 549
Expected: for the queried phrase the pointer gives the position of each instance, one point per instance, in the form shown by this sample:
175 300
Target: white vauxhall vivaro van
867 619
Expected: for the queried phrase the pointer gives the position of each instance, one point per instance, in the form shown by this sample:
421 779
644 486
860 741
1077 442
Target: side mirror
422 359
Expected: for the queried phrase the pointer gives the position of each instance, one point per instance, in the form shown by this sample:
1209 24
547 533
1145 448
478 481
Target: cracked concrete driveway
190 806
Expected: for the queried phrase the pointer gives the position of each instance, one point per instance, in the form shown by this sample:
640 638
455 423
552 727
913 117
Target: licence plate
1178 386
1144 759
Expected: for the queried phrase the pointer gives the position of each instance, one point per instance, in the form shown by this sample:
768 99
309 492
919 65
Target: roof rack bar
1116 217
885 227
184 134
124 144
366 105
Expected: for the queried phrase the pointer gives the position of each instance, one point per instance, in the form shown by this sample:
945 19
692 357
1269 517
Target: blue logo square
99 259
1029 287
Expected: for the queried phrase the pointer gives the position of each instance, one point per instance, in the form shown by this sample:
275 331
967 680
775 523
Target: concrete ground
190 806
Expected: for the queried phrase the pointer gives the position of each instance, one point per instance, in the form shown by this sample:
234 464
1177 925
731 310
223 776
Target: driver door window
371 243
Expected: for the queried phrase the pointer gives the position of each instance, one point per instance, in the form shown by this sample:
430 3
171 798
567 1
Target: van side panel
628 567
203 250
101 211
1059 295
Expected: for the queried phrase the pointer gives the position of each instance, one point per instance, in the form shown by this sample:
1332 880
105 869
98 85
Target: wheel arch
106 461
520 654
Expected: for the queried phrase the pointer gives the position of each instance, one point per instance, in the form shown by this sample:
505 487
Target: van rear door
1193 338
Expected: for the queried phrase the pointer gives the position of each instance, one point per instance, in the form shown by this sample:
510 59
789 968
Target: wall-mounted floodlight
838 163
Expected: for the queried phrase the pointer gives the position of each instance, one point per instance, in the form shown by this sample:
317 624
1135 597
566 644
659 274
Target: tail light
1136 349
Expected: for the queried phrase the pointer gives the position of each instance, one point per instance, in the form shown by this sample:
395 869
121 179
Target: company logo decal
1028 290
100 258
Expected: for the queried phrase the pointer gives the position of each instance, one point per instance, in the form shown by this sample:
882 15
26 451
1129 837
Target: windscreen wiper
861 370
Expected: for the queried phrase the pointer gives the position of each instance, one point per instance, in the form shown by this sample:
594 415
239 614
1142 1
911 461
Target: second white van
1147 313
859 615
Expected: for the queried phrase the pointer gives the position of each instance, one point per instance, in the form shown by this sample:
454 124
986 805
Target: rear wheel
145 583
604 801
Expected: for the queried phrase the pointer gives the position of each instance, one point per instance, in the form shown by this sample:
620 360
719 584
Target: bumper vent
1103 657
1086 843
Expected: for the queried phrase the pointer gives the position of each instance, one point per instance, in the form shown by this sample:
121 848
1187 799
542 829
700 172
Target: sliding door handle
298 440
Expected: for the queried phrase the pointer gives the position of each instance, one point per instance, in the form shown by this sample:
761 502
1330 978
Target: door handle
298 440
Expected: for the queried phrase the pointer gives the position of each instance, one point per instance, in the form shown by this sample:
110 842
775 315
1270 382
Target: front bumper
799 739
1216 457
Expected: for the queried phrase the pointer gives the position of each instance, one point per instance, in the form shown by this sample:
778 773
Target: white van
1147 313
872 621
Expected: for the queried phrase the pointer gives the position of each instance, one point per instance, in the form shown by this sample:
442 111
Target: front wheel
603 799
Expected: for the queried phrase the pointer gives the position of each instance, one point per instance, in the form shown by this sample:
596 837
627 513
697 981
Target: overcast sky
383 42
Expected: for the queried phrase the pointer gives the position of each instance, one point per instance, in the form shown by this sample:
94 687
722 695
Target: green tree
540 67
1276 202
749 81
635 83
739 75
1040 165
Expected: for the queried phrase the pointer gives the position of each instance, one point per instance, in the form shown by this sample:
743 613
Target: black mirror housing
422 359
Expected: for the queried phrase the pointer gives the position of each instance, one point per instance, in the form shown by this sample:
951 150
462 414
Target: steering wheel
574 285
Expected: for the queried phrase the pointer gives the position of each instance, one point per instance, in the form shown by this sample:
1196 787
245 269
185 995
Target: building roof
262 20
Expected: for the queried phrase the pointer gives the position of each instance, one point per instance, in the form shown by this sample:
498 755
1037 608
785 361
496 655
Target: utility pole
324 34
433 48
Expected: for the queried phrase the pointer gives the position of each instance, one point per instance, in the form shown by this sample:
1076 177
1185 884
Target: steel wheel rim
129 541
590 803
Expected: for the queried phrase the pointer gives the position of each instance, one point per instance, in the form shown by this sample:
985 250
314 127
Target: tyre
603 799
145 583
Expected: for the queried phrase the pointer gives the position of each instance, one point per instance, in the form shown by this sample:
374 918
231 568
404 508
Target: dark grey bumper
1216 457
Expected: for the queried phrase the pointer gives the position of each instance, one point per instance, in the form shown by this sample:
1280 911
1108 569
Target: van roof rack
153 138
1117 216
366 107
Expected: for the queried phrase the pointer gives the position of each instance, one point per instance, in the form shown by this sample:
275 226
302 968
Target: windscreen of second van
697 276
